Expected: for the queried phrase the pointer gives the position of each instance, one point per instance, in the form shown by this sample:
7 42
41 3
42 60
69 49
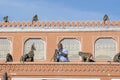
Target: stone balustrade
59 26
61 69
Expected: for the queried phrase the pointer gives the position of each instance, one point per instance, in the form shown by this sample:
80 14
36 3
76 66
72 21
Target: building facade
102 40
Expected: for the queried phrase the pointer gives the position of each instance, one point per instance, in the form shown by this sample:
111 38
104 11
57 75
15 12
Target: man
62 54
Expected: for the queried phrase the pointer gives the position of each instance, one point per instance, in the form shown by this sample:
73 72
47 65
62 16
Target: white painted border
116 79
55 79
59 29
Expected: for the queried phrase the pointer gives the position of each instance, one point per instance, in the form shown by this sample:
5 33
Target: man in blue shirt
62 53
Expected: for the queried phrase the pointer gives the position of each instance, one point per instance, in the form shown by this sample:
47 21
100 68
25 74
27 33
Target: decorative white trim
67 29
56 78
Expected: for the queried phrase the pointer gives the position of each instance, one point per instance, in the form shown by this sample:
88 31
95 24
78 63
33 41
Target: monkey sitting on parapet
116 57
5 19
86 57
9 58
35 18
29 57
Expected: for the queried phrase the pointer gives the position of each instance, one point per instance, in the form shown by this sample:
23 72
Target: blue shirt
62 58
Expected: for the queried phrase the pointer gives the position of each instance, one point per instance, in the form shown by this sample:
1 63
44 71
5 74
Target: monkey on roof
35 18
5 19
105 18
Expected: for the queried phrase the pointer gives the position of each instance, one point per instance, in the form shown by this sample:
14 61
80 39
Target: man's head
60 46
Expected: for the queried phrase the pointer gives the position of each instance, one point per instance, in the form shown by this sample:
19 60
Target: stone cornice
57 69
59 26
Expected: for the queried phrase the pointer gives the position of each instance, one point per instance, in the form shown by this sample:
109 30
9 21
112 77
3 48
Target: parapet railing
60 26
62 69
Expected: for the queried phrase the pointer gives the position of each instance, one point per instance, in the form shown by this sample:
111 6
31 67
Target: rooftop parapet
60 25
62 69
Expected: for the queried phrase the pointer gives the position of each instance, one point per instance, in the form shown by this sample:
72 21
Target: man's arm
64 52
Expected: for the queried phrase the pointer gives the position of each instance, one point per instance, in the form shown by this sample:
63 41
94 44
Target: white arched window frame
105 48
40 52
73 46
5 47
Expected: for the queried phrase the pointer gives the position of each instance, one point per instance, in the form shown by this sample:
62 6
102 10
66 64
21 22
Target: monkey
86 57
55 56
31 53
29 57
105 18
24 57
9 58
5 18
35 18
116 58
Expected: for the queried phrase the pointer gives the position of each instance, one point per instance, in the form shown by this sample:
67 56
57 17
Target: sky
60 10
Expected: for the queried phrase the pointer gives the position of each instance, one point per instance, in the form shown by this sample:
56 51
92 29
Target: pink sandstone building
102 40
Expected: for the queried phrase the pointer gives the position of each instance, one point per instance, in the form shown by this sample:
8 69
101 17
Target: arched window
105 49
73 47
39 53
5 48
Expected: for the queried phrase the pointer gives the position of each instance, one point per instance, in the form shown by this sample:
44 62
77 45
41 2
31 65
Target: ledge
61 69
62 23
59 26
